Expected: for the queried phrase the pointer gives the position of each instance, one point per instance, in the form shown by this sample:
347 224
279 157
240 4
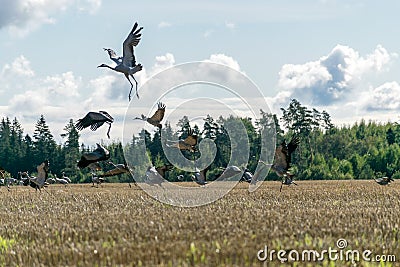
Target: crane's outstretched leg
280 190
108 132
130 91
137 94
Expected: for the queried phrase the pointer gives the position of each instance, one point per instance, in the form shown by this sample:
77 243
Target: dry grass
120 226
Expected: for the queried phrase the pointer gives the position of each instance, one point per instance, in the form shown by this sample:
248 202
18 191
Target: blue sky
339 56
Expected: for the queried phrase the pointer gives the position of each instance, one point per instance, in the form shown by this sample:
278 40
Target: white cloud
163 62
89 6
16 76
24 16
230 25
207 33
164 24
279 100
385 97
329 79
64 85
27 103
224 60
20 66
64 96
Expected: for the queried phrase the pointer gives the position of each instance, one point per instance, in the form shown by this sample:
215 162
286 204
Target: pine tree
6 156
210 128
71 150
44 144
17 146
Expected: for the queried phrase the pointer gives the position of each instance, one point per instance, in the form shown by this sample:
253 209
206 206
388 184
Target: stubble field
115 225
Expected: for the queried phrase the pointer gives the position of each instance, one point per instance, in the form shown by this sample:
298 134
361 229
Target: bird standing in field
94 120
155 176
189 143
247 176
384 180
127 63
65 177
61 180
3 179
229 172
97 180
2 173
156 118
99 154
200 177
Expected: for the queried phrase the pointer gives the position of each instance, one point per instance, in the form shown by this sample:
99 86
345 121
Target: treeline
21 152
360 151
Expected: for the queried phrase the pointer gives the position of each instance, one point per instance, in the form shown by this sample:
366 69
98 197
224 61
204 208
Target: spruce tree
44 144
71 150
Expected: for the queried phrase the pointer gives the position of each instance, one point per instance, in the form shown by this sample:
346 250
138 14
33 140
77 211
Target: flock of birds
127 65
155 176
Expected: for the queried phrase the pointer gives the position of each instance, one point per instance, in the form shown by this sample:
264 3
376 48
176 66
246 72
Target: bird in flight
281 165
189 143
118 169
99 154
94 120
39 182
127 63
157 116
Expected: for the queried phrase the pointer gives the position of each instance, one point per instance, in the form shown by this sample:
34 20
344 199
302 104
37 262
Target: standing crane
96 179
247 176
127 63
229 172
384 180
65 177
94 120
60 180
3 180
200 177
156 175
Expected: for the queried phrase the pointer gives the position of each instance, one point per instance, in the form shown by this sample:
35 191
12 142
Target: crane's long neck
106 66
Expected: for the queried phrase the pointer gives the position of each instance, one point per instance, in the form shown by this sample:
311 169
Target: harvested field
115 225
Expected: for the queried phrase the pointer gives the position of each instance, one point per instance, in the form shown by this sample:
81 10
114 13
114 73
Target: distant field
115 225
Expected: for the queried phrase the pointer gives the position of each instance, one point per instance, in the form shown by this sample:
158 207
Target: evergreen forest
364 150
